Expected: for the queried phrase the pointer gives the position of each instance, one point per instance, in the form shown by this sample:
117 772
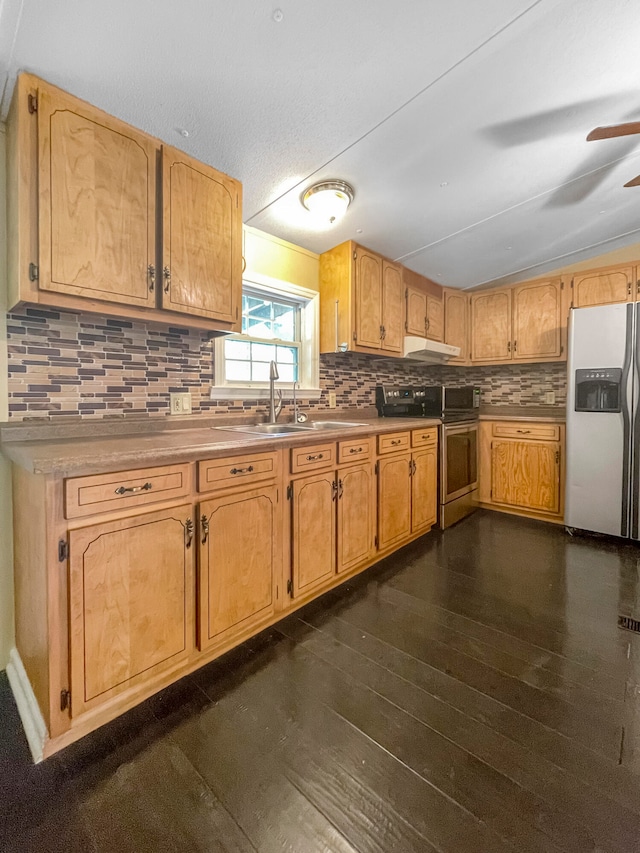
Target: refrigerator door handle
635 430
627 418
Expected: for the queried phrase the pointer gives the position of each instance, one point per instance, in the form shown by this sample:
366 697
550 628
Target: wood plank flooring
470 694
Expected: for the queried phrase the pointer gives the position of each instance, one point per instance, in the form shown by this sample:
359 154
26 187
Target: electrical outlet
180 404
550 397
332 399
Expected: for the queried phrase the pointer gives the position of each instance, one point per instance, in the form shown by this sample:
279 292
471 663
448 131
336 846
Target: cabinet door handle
524 431
246 470
313 458
122 490
356 450
340 489
151 270
204 524
188 532
166 272
508 346
334 490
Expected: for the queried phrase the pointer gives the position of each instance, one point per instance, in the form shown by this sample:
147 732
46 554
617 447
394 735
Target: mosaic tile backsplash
64 364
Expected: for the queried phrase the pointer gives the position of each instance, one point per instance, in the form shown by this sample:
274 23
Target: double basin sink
290 429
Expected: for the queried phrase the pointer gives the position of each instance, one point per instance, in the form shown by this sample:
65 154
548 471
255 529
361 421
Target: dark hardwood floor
471 694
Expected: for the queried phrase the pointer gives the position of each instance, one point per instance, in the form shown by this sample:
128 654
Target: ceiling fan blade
614 130
635 182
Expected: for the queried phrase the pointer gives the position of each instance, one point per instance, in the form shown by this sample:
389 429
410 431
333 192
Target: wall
6 537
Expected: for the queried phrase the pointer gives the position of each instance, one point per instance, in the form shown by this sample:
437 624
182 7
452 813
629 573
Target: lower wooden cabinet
522 467
424 488
130 602
333 525
238 544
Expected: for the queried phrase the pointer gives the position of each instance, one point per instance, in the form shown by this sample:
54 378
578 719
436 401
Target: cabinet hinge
557 457
34 272
562 285
561 349
355 255
65 700
491 494
375 541
290 587
376 468
290 491
63 551
32 102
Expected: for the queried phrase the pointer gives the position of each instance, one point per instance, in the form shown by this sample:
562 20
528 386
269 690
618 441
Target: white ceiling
461 124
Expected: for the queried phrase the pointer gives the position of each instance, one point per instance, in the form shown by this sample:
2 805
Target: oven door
458 460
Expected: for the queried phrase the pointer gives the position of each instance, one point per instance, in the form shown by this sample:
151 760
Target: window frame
309 346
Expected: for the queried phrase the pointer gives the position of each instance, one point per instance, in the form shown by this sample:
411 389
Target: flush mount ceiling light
328 200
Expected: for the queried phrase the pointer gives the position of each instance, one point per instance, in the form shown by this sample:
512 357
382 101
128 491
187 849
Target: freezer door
599 461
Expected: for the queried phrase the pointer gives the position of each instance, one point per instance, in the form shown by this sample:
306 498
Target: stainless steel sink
267 429
333 424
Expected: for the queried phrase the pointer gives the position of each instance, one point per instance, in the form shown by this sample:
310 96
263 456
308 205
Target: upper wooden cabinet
85 215
525 323
456 323
361 301
605 286
424 312
202 235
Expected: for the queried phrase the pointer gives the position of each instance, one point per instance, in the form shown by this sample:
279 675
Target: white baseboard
28 708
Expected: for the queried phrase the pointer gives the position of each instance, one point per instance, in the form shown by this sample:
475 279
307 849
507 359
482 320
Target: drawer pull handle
313 458
425 437
396 441
356 450
524 431
246 470
122 490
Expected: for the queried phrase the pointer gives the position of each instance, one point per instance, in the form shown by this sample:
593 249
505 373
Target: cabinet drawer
543 432
312 457
424 437
216 474
110 492
355 449
393 442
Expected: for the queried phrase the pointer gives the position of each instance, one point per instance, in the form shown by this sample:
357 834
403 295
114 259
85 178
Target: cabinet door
537 320
131 602
491 326
603 287
394 500
202 239
392 307
356 515
368 298
416 312
313 532
424 489
526 474
239 541
456 323
97 196
434 318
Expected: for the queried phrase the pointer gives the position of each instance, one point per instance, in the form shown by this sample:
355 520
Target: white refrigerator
603 420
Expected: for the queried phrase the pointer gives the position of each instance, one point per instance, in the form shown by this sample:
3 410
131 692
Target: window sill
225 392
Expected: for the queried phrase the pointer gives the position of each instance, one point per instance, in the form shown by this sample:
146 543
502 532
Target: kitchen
112 362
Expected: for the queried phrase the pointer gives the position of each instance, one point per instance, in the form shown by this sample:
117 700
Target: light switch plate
550 397
180 404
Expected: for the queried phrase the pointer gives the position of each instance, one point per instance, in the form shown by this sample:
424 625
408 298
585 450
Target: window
279 323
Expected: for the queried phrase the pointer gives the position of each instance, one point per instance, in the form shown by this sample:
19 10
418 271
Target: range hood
428 352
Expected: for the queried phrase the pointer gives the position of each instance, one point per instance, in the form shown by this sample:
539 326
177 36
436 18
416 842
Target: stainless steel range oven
457 409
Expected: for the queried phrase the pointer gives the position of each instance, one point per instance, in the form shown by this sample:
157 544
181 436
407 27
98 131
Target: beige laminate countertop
545 414
84 454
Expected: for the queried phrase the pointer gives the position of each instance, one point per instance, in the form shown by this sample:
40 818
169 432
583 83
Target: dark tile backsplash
64 364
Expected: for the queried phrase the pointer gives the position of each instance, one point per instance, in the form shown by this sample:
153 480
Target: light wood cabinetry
456 323
130 609
361 301
424 309
522 467
332 516
407 486
525 323
127 581
605 286
85 212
